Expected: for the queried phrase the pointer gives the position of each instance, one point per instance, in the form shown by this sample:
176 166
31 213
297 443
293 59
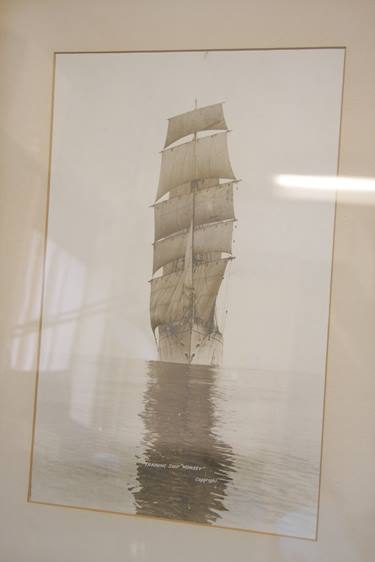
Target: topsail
211 205
193 237
209 118
198 159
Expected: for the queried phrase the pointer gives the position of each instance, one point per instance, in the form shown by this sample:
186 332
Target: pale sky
111 110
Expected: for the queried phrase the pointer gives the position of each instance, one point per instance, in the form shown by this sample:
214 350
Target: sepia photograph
187 279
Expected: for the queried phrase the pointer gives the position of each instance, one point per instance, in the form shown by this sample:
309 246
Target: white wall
30 31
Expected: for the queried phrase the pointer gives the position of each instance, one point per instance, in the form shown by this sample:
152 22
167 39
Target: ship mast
194 184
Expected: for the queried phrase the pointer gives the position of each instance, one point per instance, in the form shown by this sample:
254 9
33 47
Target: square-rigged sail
193 237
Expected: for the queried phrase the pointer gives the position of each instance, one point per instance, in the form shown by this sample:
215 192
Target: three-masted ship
194 218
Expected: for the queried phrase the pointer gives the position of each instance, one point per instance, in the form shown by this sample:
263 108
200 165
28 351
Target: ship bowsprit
194 217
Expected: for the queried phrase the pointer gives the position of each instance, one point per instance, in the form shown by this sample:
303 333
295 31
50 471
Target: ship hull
190 344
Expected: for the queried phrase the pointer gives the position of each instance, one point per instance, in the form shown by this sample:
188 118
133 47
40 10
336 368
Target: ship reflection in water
185 466
234 448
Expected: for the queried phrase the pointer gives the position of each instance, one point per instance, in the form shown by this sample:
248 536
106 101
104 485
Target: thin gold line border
42 294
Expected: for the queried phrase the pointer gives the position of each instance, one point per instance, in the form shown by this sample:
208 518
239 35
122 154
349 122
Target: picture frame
144 465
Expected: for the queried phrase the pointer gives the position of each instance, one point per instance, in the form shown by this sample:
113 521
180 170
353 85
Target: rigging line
193 190
226 294
227 286
155 338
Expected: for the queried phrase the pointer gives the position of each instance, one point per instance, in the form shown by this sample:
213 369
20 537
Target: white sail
206 287
206 118
211 205
215 237
168 303
214 204
206 157
185 188
172 215
168 250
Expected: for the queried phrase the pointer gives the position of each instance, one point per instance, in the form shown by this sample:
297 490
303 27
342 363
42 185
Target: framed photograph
184 330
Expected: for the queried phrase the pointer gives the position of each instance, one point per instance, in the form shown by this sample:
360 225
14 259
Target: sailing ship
194 219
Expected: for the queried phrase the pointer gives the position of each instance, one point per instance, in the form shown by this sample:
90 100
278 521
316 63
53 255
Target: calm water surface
229 447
